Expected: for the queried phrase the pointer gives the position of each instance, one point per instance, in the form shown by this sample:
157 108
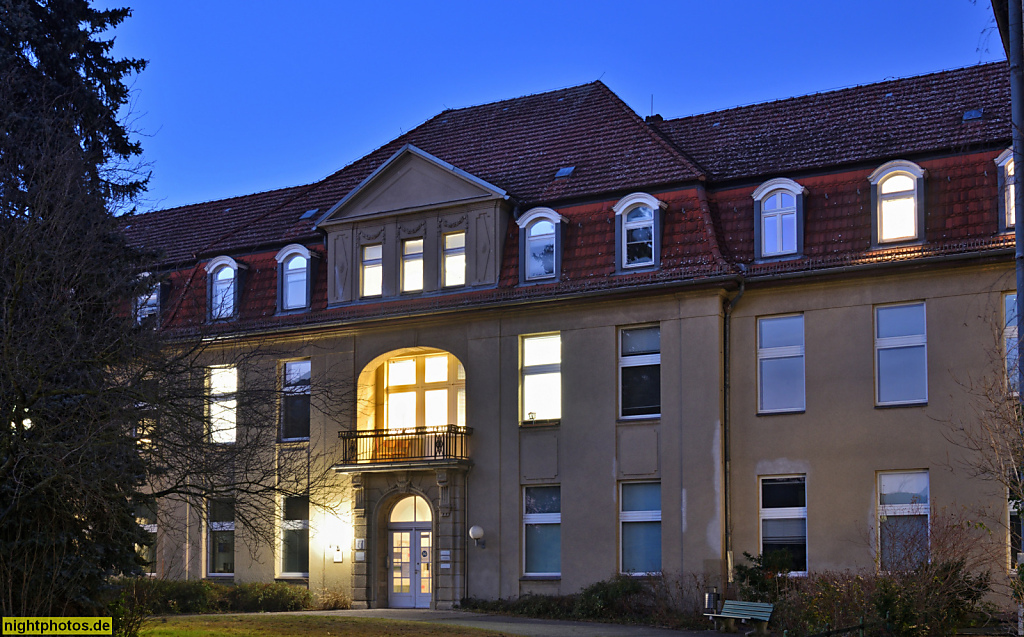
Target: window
780 364
1010 341
901 358
295 537
145 517
897 197
784 519
778 211
294 278
903 514
221 387
425 391
640 527
542 379
453 261
542 530
540 251
295 401
373 270
222 274
1007 190
1016 546
147 306
412 265
639 372
221 515
637 230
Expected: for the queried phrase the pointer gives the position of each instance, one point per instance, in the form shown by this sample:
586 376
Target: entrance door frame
422 559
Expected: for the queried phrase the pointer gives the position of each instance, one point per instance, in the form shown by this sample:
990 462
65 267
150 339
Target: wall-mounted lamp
477 534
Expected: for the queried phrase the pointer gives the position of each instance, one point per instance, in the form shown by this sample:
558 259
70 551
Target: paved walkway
515 625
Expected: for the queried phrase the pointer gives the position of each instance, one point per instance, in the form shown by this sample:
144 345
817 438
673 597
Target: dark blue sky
241 97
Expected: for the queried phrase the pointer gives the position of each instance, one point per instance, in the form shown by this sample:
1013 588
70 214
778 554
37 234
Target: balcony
392 449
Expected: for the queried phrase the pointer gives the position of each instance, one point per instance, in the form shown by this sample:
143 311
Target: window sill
220 576
292 577
639 420
923 403
293 311
293 442
540 578
539 281
775 258
552 422
896 243
788 412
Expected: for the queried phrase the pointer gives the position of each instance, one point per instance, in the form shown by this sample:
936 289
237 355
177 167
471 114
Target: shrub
333 599
267 598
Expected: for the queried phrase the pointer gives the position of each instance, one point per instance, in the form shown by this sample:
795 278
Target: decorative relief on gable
451 223
341 260
371 234
412 228
484 248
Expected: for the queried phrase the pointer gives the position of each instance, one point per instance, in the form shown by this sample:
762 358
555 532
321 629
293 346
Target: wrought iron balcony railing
414 446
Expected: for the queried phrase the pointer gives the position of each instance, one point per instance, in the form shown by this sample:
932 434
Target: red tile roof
871 123
517 144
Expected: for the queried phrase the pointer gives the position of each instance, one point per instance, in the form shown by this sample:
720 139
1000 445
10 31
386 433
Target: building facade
576 342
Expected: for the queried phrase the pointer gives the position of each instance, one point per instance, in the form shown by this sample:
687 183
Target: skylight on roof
974 114
309 213
564 172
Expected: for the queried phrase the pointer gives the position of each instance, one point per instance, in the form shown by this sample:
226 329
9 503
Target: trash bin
711 602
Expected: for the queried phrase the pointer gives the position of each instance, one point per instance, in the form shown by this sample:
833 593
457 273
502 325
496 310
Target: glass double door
410 577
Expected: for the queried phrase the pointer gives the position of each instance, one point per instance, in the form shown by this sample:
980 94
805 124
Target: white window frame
365 263
878 178
526 224
625 517
220 437
152 528
638 360
772 353
148 303
915 340
292 525
532 519
1008 177
765 192
901 510
409 258
223 295
293 390
450 278
527 370
1013 510
622 209
217 527
783 513
285 257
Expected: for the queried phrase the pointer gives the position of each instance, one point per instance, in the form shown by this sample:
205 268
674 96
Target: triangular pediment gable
409 181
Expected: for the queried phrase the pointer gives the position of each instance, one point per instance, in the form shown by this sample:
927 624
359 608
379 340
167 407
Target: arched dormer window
779 219
222 288
638 232
897 202
1007 190
294 278
540 245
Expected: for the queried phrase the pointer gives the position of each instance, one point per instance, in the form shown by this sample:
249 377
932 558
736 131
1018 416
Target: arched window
897 194
638 232
411 509
540 240
1007 190
294 278
778 214
223 288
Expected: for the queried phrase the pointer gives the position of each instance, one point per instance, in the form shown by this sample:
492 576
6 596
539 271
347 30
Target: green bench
756 612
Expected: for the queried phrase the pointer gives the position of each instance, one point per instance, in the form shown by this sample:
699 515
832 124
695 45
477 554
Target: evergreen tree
68 464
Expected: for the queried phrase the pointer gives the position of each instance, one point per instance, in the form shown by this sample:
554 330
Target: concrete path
514 625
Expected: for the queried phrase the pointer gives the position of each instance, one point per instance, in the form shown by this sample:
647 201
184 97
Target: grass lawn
289 625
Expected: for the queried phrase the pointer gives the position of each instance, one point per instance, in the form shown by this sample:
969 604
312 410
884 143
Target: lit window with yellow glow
897 201
373 270
428 390
222 405
412 265
454 259
541 378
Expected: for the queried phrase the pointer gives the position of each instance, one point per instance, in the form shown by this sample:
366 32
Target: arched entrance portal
410 538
